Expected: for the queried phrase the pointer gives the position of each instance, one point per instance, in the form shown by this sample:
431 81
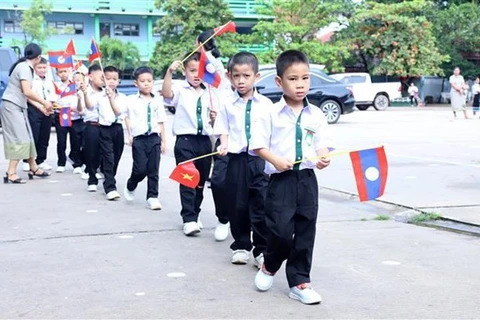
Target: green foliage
184 21
296 26
382 217
123 55
394 39
32 22
424 217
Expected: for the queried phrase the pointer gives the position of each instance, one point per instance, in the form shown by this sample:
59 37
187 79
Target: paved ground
70 254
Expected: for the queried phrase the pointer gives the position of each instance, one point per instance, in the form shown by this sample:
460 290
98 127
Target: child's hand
213 115
323 163
110 92
282 164
83 87
175 66
130 140
222 150
163 147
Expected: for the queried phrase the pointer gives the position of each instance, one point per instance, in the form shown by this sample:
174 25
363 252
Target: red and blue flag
68 91
70 49
207 71
94 52
370 167
59 59
65 117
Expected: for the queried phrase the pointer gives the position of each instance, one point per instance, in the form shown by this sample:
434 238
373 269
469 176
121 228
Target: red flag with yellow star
186 174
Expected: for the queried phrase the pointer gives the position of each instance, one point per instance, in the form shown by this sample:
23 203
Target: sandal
7 179
35 173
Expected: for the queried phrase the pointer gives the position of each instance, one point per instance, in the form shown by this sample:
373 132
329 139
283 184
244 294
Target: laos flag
65 117
59 59
370 167
207 71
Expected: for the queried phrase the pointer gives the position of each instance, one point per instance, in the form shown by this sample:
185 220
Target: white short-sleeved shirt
106 116
277 132
13 92
231 119
185 99
44 88
92 115
456 80
137 114
70 101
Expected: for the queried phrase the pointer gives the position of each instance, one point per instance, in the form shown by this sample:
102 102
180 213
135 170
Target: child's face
112 80
41 70
96 78
62 74
477 80
243 78
144 83
79 79
295 81
191 73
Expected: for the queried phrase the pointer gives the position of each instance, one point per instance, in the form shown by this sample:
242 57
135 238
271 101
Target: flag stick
203 43
200 157
328 155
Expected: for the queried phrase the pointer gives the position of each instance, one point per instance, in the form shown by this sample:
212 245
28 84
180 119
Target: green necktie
199 116
247 120
149 118
299 138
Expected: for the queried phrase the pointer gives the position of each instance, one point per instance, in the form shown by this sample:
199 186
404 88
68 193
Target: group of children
263 180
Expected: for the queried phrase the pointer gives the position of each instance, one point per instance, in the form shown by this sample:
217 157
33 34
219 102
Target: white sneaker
258 261
264 279
60 169
99 176
191 228
77 170
85 176
129 195
200 224
240 256
25 166
305 294
113 195
45 166
153 204
221 231
92 188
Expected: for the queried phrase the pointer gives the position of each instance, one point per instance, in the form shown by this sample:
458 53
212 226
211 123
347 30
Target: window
267 82
13 26
64 27
316 81
104 29
126 29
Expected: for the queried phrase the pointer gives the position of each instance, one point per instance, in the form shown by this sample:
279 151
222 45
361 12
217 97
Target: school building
124 19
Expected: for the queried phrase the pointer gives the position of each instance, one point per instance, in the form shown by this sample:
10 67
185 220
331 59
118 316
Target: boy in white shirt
145 125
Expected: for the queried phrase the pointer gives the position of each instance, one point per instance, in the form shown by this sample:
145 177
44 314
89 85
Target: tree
123 55
183 22
394 39
33 24
296 25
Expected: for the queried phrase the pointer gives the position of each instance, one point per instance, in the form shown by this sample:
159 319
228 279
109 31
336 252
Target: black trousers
75 132
41 127
111 142
291 211
188 147
91 150
146 163
219 175
246 191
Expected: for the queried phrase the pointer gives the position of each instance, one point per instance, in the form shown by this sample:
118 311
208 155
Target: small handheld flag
186 174
57 89
59 59
68 91
227 27
65 117
94 52
207 71
70 49
370 167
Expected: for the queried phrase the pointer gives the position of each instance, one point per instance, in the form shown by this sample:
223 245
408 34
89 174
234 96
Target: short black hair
93 68
243 57
193 57
287 58
43 61
111 69
141 70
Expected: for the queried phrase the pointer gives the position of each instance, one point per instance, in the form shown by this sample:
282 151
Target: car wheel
332 110
171 110
362 107
381 102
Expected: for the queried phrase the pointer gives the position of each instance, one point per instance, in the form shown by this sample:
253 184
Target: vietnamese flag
186 174
227 27
70 49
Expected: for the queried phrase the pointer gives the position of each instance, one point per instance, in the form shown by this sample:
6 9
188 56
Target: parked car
367 93
331 96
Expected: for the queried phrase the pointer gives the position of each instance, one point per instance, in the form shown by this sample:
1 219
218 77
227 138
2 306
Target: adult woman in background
458 93
17 134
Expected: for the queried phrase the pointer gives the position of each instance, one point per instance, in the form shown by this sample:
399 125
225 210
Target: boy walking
192 127
145 125
245 178
111 140
292 132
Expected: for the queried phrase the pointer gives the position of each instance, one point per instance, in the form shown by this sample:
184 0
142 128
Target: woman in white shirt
458 93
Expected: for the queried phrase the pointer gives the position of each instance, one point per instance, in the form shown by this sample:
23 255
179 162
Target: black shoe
35 173
7 179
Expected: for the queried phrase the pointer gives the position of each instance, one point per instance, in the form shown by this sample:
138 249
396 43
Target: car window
316 81
267 82
357 79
